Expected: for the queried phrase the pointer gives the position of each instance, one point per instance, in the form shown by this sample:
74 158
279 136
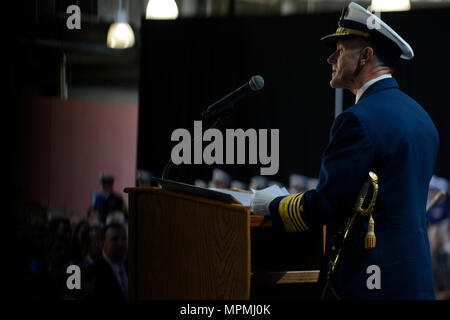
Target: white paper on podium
275 190
245 198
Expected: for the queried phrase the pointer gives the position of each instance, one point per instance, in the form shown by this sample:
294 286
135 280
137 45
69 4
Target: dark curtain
186 65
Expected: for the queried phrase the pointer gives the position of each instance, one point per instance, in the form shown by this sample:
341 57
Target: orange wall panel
72 142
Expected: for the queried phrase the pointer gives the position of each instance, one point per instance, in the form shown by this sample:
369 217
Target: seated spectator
111 279
107 200
94 252
94 245
80 241
220 179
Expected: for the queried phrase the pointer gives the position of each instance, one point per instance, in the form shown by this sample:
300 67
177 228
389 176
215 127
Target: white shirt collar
366 85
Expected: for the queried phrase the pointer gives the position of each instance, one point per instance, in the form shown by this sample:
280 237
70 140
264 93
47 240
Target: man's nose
332 58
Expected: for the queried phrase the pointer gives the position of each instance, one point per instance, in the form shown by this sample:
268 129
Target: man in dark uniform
386 132
107 201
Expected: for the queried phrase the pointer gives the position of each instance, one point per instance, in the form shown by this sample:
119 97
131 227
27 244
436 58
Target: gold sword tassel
370 240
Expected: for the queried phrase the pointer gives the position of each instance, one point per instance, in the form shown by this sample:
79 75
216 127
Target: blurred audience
98 243
93 217
440 258
441 209
94 245
80 241
49 248
439 235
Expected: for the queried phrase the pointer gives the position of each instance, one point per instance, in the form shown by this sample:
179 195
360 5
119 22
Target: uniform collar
366 85
384 84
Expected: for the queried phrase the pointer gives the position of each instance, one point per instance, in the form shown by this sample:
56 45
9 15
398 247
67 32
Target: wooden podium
186 247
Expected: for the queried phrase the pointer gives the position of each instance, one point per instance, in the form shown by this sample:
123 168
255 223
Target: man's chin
335 84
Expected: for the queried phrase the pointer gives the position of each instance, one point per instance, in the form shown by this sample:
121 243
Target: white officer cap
360 22
219 175
200 183
312 183
439 183
298 181
258 182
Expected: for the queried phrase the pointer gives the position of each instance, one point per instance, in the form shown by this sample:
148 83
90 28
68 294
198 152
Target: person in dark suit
386 132
110 271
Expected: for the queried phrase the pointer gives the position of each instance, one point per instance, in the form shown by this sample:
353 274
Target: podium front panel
187 247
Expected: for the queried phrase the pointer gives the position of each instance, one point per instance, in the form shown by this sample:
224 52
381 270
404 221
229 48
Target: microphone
225 104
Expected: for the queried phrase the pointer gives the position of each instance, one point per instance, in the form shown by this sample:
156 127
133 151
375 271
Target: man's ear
366 55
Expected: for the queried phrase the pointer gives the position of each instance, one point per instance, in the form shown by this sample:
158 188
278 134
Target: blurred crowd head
440 211
220 179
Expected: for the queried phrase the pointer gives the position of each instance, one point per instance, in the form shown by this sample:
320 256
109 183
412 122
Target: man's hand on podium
261 201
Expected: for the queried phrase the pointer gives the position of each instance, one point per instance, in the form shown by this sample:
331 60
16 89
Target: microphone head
256 83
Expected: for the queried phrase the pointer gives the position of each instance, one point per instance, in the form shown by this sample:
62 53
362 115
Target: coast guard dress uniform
389 133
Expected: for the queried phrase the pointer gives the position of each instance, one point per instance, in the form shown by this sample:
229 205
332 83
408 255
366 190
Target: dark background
186 65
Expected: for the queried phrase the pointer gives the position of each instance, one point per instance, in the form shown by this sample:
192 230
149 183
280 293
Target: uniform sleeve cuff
275 214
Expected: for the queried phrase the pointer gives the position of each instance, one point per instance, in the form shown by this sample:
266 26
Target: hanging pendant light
390 5
161 10
120 33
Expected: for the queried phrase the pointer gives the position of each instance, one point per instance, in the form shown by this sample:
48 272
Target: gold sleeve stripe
283 209
300 210
290 213
293 212
297 214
